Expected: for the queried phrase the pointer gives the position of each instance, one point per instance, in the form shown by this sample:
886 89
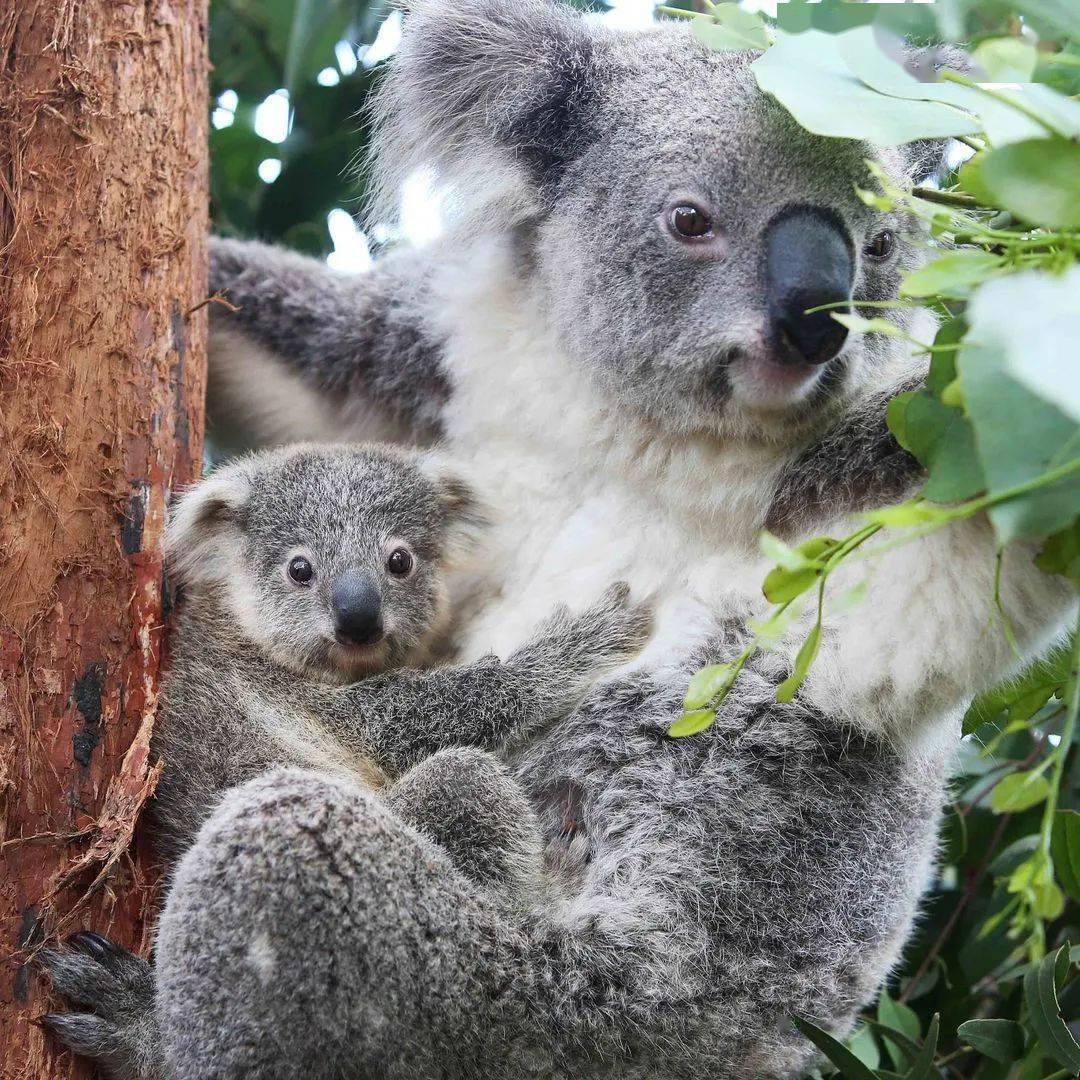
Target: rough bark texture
102 362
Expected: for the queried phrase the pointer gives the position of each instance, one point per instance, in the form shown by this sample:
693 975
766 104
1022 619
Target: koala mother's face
687 239
674 221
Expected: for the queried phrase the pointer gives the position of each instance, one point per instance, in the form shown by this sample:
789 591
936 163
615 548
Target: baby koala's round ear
203 520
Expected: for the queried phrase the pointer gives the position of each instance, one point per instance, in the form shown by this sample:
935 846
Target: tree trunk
103 218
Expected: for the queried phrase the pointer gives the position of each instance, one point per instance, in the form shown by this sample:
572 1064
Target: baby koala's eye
301 571
400 562
881 246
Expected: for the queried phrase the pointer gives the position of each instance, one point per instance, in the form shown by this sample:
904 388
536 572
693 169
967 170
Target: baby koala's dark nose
808 262
357 609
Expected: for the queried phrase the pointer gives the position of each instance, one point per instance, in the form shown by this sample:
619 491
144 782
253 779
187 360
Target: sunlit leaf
730 27
858 325
811 79
691 723
708 684
806 656
781 585
1018 791
952 274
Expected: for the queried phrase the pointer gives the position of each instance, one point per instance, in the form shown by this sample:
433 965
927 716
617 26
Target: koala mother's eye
689 222
301 571
881 246
399 562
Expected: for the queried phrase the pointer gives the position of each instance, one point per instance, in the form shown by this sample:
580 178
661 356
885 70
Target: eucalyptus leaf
1050 673
808 75
1040 995
773 548
1065 851
708 684
851 1068
691 723
781 585
729 27
999 1040
1019 326
1038 180
898 1019
943 440
806 656
923 1065
952 274
858 325
1061 554
864 1046
1006 59
1018 791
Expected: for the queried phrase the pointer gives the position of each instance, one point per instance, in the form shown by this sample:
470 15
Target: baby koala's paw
120 1031
607 633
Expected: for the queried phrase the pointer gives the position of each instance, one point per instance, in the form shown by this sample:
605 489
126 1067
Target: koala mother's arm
927 638
313 353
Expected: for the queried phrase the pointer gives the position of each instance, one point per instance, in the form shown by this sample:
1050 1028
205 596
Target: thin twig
217 298
945 198
969 892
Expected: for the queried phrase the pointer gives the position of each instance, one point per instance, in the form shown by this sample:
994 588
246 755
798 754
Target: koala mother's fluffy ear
927 157
489 93
204 525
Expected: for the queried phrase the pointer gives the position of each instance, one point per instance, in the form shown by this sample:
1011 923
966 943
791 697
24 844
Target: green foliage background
990 987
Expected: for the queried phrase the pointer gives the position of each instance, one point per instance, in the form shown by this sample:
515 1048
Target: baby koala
314 579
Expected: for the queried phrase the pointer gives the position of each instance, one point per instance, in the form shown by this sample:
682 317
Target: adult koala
614 333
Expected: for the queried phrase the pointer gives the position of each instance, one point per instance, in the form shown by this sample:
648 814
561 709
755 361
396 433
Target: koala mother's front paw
120 1031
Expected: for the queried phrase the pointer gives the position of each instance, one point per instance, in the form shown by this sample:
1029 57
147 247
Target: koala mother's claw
119 1032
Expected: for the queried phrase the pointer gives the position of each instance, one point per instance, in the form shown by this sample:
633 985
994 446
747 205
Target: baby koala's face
338 556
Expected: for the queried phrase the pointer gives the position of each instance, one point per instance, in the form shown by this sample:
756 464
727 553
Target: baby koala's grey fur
256 679
256 682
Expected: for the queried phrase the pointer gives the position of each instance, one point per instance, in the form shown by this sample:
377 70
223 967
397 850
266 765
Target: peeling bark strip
103 180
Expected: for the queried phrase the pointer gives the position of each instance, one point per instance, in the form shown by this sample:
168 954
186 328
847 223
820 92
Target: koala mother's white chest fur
584 494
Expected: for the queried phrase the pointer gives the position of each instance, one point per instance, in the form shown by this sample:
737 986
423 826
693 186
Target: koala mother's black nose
357 609
808 262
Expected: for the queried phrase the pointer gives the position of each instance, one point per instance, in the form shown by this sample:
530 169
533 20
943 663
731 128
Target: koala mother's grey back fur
615 389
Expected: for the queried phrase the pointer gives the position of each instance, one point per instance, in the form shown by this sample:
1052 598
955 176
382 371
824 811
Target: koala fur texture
633 412
261 678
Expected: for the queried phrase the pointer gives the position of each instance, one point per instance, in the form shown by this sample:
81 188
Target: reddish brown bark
102 364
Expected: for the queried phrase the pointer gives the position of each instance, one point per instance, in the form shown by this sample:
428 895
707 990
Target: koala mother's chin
779 401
